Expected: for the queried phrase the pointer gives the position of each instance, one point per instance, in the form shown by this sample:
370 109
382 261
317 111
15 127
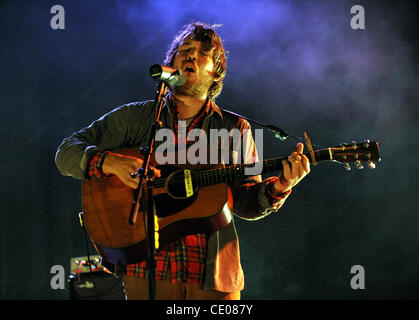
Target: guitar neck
238 172
357 153
275 164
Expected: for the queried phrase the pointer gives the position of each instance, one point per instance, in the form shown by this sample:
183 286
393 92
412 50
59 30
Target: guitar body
107 205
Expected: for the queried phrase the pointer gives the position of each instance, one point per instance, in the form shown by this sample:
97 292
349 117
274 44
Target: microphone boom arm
279 133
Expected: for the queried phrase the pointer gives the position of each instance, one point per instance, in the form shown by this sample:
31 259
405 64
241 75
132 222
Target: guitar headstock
358 153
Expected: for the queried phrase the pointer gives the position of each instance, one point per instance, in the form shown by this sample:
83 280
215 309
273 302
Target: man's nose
192 54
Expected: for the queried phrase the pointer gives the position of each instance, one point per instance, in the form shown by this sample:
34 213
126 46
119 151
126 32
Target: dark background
296 64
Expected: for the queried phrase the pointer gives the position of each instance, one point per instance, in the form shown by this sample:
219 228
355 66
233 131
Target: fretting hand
295 168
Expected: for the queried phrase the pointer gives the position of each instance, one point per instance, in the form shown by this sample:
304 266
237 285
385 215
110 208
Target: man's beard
193 87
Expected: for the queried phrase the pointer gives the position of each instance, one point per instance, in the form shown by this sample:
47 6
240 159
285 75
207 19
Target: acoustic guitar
188 199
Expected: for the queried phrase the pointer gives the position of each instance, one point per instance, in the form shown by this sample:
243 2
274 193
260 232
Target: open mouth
189 68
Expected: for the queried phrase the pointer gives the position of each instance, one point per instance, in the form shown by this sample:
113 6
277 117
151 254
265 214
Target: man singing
198 266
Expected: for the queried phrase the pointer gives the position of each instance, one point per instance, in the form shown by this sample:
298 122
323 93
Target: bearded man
194 266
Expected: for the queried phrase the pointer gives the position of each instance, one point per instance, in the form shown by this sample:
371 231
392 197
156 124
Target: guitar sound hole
176 184
176 187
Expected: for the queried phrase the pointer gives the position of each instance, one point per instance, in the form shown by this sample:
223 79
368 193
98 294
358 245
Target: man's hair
210 39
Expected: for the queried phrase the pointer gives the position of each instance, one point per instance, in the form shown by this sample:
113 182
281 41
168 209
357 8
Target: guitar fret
208 177
217 177
269 165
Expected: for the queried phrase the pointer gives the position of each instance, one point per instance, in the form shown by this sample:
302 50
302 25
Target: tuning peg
342 146
359 165
347 166
371 165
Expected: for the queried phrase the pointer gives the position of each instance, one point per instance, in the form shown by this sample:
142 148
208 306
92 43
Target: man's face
198 65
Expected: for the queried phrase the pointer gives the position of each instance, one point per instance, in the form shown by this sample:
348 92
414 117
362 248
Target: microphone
171 76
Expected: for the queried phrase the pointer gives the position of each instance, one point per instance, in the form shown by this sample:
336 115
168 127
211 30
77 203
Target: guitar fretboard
238 172
233 173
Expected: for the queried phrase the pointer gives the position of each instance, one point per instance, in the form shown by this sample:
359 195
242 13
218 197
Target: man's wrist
275 195
280 186
104 167
96 164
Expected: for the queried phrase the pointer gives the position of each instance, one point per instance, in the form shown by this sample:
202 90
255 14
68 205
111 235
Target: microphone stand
150 207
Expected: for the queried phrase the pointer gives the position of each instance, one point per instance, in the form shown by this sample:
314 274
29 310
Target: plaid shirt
195 122
185 258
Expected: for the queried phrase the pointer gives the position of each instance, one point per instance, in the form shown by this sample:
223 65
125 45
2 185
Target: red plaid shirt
185 258
194 123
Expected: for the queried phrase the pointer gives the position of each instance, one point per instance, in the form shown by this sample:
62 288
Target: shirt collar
211 108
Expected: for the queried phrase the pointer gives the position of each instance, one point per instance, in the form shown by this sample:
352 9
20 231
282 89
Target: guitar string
212 174
216 173
209 174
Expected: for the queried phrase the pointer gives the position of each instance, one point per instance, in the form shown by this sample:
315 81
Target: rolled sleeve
108 132
253 198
